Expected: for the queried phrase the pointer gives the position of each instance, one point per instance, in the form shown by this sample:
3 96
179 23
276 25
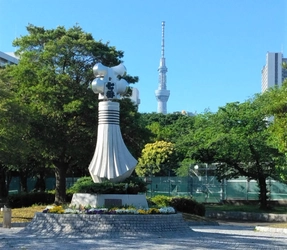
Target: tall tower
162 94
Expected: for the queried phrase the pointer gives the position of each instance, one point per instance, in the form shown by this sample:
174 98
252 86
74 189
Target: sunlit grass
251 208
279 225
193 217
247 208
24 214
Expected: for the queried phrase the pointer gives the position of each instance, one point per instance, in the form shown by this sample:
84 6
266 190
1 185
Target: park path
223 236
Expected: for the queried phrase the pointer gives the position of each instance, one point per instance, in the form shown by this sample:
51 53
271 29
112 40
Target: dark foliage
131 185
29 199
186 205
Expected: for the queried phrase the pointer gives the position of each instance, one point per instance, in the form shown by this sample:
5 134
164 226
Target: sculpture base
109 200
107 226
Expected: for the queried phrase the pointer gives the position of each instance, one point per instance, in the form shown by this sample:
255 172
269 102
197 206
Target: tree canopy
236 138
14 146
158 158
52 81
274 103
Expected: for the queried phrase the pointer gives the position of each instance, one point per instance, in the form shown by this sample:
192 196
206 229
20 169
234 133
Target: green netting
50 183
202 188
208 189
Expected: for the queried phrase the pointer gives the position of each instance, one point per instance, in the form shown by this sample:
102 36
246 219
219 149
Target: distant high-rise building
273 74
162 94
7 58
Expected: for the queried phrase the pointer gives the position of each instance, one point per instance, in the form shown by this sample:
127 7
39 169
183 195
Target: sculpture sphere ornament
112 160
107 83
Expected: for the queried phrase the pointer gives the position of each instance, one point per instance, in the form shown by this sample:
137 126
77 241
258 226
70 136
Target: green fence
203 188
50 184
208 189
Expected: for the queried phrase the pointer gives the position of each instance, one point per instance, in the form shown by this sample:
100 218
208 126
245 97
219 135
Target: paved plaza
223 236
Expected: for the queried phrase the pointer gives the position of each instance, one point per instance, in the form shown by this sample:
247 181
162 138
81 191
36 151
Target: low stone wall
107 225
109 200
247 216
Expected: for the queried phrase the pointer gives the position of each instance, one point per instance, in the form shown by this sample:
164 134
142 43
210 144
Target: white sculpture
111 160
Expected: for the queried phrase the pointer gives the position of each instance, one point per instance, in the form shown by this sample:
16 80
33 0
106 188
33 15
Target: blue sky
214 49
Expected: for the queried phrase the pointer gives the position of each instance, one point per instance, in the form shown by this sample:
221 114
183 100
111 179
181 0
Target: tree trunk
23 182
60 175
263 192
40 184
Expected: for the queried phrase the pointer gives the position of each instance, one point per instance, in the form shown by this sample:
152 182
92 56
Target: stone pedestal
109 200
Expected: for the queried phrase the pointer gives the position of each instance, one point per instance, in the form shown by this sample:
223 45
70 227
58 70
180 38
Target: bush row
29 199
131 185
180 204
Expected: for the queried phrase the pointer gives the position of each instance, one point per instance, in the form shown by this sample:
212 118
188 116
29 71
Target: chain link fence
208 189
202 187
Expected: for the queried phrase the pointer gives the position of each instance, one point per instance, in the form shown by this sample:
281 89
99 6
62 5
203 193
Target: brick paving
190 236
201 237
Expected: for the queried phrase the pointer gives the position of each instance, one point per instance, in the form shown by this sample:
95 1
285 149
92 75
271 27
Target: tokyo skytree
162 94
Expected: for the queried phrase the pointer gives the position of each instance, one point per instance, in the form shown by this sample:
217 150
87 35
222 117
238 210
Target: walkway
224 236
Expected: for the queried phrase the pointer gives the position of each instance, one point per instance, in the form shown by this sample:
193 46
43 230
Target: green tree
197 142
52 80
173 128
158 158
134 132
167 127
237 138
13 127
274 102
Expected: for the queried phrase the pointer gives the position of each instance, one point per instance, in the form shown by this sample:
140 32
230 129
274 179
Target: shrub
69 194
57 210
130 186
136 185
181 204
29 199
82 185
150 202
161 200
187 205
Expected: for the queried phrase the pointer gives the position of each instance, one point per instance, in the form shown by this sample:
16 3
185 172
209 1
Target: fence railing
202 188
208 189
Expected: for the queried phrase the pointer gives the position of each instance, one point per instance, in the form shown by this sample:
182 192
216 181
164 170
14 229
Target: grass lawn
251 208
247 208
24 214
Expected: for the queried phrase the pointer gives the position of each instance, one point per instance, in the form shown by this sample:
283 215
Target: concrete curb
255 217
271 229
17 224
247 216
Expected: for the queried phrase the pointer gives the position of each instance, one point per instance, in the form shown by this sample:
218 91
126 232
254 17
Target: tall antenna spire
162 94
162 38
